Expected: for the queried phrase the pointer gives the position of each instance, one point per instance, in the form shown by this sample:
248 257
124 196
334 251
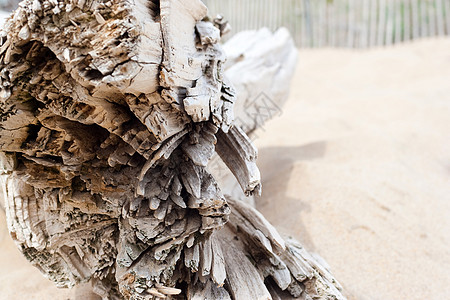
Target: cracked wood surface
110 112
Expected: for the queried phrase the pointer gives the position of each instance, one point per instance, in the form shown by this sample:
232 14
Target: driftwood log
110 112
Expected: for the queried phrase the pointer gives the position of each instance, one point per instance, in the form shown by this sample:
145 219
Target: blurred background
340 23
8 5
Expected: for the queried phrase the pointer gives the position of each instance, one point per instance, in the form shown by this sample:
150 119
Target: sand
357 168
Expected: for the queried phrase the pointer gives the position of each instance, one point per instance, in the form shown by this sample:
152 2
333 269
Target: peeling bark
110 112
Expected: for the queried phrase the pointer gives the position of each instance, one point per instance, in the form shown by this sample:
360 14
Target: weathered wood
109 115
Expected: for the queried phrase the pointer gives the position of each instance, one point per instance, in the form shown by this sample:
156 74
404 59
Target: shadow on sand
276 165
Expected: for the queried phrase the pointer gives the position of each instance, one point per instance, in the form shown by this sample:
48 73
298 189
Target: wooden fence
340 23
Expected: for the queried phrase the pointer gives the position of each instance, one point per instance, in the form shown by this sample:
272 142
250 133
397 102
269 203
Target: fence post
340 23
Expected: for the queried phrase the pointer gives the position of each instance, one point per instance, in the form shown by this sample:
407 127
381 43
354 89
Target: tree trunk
110 113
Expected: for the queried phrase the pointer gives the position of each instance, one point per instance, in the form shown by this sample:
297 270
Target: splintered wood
110 113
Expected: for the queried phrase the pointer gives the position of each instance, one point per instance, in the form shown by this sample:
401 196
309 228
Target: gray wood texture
110 113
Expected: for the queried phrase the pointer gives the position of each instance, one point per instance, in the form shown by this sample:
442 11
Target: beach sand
357 168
